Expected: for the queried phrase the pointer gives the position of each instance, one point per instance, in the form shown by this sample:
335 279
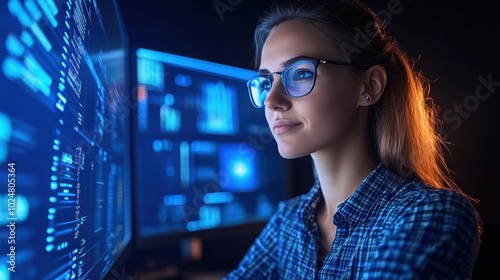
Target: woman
335 86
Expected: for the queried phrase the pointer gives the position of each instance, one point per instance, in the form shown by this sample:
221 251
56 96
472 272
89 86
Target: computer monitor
65 208
205 160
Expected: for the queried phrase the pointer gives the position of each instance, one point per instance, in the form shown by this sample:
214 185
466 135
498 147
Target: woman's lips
284 126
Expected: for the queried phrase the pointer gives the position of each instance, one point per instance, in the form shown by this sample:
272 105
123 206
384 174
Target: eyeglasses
298 80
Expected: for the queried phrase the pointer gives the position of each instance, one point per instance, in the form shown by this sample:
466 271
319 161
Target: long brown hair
402 125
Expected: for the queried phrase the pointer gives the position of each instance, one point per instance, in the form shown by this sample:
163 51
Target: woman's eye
266 85
302 75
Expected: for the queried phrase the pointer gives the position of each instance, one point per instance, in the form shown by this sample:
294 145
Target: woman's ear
375 80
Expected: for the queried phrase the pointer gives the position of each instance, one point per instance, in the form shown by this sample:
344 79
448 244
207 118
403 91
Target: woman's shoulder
391 189
399 199
421 202
416 193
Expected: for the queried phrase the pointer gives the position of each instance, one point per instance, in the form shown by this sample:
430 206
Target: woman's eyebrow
286 63
292 60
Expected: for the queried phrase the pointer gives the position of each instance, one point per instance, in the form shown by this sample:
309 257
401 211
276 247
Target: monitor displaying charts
204 159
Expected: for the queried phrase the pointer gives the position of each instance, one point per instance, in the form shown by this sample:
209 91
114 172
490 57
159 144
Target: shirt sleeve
436 238
260 261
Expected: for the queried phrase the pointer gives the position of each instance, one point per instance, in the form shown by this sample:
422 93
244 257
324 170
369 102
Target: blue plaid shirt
390 228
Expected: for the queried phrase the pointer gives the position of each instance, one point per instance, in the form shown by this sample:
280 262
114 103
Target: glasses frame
316 63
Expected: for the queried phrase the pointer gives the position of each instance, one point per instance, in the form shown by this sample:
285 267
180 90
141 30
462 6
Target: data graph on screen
205 158
64 131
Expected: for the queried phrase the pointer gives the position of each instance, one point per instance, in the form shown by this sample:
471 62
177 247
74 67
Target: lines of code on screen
64 139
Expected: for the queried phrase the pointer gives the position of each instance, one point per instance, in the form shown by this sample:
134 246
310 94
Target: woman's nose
277 99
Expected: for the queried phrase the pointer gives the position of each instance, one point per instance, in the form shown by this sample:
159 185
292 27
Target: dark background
455 43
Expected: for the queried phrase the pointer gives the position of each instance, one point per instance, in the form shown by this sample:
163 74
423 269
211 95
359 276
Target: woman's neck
340 172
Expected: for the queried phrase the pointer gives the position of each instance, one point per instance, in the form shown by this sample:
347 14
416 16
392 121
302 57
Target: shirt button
338 219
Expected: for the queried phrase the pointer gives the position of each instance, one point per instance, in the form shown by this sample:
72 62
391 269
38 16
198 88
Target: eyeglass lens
298 80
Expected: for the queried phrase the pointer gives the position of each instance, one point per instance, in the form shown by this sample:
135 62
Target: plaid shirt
390 228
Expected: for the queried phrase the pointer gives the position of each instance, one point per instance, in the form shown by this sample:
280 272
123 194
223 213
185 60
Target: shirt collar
374 189
309 205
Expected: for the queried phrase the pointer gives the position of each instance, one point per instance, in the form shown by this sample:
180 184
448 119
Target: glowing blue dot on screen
240 169
183 80
14 46
49 248
169 99
157 146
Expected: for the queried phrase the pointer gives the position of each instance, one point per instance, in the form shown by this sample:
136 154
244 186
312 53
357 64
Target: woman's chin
290 153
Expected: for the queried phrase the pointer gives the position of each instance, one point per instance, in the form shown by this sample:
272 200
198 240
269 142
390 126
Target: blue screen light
241 170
